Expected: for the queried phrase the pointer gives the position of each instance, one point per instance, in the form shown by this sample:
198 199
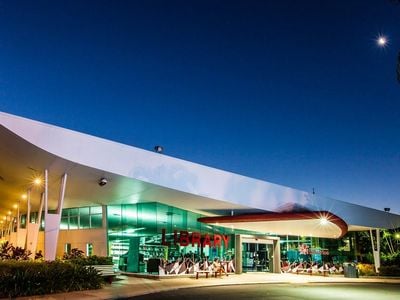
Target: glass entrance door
257 257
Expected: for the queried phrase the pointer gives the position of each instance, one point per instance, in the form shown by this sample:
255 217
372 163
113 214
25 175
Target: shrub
74 254
8 251
389 271
90 260
391 259
26 278
366 269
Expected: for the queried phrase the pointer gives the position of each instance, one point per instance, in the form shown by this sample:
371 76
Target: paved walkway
133 286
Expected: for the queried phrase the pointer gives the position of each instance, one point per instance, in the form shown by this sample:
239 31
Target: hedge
91 260
26 278
389 271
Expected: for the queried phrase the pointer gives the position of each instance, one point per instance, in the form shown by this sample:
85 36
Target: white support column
21 232
13 234
33 228
376 248
52 221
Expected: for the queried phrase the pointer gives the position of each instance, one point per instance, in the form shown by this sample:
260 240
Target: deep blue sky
292 92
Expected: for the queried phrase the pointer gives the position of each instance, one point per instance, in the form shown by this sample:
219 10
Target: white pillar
21 232
33 228
376 248
52 221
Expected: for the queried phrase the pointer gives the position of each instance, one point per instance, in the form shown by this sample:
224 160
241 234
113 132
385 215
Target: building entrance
257 257
257 254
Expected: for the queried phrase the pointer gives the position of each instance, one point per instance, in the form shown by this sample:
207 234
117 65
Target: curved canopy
135 175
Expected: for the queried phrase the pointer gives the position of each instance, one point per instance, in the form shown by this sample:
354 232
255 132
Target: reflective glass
96 221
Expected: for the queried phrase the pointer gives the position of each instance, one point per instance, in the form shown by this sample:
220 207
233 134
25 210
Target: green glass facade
145 229
137 233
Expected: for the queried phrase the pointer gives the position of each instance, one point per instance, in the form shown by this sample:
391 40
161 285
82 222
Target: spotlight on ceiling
159 149
103 181
323 221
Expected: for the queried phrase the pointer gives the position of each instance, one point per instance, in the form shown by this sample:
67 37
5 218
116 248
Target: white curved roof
138 175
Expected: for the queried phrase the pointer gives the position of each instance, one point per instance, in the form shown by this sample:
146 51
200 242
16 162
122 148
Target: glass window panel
64 212
96 210
192 222
23 221
163 218
96 221
64 223
129 215
73 222
89 249
73 211
179 219
84 211
84 222
67 248
34 217
147 213
114 217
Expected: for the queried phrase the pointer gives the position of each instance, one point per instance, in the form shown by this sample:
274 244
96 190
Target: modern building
61 189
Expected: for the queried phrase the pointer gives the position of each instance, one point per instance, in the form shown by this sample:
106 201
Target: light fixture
37 181
323 221
24 196
103 181
15 206
9 212
159 149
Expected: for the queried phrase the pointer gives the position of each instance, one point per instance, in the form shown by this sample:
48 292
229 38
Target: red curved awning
314 223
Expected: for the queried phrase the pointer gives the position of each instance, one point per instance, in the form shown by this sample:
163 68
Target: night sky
292 92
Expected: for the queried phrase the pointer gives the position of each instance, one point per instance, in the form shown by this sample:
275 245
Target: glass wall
138 233
317 250
81 218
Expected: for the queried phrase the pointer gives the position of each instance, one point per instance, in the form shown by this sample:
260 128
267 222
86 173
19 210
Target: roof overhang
135 175
319 224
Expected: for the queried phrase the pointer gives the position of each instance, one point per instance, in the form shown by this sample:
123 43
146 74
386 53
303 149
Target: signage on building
184 238
306 250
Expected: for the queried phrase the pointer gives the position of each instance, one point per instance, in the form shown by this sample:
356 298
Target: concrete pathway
128 286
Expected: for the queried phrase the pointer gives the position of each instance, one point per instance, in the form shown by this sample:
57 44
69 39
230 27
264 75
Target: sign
306 250
184 238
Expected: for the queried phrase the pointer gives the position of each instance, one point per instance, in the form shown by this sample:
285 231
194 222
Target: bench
202 272
106 271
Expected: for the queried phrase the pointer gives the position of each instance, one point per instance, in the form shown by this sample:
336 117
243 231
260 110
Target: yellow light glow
397 235
9 212
4 218
24 196
15 205
37 181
